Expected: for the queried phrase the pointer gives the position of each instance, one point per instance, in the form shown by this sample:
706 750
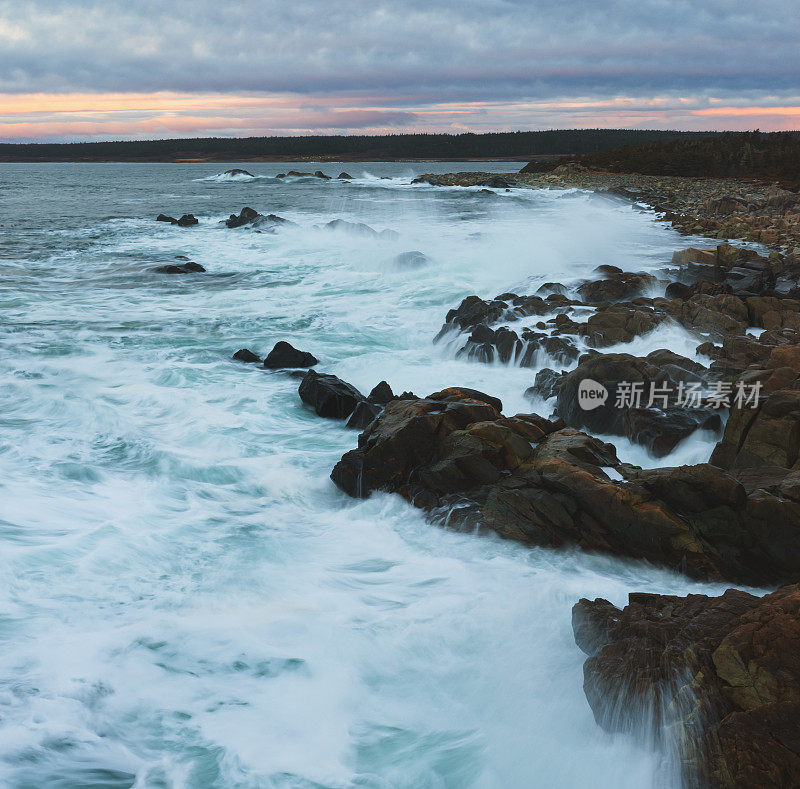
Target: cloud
418 59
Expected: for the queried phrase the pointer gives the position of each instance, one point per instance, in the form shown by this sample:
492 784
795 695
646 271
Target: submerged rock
360 229
717 679
189 267
237 171
413 259
284 356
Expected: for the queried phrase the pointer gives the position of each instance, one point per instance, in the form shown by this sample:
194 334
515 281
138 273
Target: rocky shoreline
717 679
721 208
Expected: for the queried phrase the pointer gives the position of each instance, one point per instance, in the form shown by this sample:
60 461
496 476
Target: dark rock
546 383
329 396
461 394
320 174
660 431
613 370
246 355
363 415
617 286
716 679
767 435
531 480
179 268
165 218
246 216
283 355
187 220
269 223
344 177
237 171
381 394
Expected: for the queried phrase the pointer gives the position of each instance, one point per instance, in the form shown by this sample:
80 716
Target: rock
660 431
284 356
246 355
237 171
474 311
545 384
320 174
364 414
413 259
179 268
344 177
617 323
613 371
767 435
463 394
381 394
616 286
532 480
187 220
716 679
716 315
329 396
704 257
269 223
360 229
246 216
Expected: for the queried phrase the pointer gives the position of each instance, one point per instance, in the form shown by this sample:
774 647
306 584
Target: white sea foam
187 600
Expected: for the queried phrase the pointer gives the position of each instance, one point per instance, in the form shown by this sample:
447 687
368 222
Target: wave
234 176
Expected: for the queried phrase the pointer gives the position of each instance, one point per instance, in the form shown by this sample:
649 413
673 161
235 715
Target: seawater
186 600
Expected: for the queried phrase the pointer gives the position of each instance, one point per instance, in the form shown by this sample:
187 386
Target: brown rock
716 679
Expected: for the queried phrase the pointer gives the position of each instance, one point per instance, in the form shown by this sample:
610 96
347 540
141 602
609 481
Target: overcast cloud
372 64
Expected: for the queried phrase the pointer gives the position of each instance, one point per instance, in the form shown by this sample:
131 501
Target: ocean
186 599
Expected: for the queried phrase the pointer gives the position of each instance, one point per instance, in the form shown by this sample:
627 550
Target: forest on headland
521 145
772 156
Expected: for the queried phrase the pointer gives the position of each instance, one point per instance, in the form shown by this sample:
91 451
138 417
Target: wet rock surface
717 678
534 480
329 396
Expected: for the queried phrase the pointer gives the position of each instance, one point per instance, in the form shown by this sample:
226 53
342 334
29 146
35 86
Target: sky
144 69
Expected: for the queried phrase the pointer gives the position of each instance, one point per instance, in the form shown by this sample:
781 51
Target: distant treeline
499 145
772 156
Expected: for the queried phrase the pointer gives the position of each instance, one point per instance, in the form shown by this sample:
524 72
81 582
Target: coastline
719 208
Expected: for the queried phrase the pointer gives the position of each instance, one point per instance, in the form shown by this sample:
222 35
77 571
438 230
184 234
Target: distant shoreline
250 160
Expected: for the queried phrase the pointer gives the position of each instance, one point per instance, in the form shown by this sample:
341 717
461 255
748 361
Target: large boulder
716 680
659 424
